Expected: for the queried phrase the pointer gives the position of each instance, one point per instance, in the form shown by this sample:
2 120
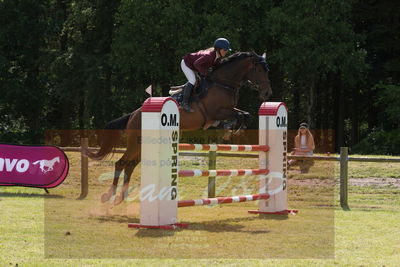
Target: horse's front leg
243 116
236 121
228 114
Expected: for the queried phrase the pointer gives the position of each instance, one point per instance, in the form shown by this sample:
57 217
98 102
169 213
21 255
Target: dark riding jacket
202 60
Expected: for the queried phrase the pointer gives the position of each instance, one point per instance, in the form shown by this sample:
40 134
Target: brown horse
218 104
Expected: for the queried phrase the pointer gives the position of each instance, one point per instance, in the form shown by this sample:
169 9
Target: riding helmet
222 43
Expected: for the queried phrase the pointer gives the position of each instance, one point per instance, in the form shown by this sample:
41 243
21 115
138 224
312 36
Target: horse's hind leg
128 161
127 177
132 156
119 166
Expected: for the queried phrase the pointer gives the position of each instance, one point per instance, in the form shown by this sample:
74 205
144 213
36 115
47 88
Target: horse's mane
235 57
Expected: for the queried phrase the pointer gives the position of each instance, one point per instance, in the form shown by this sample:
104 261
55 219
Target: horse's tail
109 138
36 162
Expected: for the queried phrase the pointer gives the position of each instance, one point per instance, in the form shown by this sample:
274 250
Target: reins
234 90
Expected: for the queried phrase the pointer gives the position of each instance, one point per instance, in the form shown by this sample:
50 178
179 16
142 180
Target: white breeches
189 73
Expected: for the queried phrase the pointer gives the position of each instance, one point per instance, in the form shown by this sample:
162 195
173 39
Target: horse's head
258 76
241 67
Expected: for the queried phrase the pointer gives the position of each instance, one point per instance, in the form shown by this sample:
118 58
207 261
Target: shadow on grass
29 195
215 226
355 207
116 219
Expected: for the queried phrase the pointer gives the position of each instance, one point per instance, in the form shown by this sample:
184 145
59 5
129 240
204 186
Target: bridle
234 89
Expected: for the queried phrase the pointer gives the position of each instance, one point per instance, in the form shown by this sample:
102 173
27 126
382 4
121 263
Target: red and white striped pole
216 147
202 173
220 200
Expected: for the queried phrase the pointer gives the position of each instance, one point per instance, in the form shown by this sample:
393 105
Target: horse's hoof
118 200
105 197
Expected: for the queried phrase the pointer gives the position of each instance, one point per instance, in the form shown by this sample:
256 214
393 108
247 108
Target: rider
201 61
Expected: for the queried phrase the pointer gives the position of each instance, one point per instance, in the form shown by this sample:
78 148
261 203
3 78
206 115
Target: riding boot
187 90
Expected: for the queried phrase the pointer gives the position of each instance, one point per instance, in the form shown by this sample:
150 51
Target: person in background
304 146
200 62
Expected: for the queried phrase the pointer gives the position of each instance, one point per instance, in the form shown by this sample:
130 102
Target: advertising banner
32 166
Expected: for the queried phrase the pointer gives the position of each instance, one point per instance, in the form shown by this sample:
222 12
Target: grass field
58 230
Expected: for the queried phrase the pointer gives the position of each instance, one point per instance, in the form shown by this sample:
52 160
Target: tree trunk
310 105
354 118
340 104
296 108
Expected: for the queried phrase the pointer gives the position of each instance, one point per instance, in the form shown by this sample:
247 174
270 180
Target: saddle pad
32 166
178 97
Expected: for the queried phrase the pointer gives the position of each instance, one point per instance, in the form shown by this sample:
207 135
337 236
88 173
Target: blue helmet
222 43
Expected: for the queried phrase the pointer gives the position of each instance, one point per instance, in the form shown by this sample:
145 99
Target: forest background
68 64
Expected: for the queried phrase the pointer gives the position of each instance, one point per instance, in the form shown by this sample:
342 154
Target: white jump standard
272 128
159 170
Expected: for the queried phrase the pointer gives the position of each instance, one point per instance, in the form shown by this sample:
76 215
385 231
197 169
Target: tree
318 54
81 68
23 90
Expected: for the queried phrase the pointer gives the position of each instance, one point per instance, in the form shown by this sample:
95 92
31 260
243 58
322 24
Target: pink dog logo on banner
33 166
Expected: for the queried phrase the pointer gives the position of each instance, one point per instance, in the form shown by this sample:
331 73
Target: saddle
199 91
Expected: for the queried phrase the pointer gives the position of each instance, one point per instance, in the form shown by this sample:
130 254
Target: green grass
374 169
58 230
